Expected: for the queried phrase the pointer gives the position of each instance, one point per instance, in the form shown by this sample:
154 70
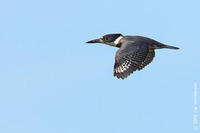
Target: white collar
117 40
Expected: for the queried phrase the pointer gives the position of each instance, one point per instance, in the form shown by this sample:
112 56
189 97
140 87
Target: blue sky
52 81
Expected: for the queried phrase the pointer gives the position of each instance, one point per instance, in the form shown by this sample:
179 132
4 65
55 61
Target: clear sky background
51 81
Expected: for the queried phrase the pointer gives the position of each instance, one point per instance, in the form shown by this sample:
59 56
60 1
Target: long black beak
94 41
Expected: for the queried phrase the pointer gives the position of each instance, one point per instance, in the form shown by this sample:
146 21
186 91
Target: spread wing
131 57
148 59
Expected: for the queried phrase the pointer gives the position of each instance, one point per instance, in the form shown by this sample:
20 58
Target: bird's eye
105 38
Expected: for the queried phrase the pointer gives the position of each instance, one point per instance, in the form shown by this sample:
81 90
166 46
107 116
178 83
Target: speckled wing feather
129 58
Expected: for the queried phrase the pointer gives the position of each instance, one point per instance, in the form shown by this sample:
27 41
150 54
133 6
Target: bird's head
109 39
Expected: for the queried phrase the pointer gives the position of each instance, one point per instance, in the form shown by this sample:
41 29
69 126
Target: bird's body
134 53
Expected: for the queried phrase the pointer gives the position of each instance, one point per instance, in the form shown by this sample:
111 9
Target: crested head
110 39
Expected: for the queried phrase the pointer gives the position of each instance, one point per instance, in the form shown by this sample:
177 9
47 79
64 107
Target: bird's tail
168 46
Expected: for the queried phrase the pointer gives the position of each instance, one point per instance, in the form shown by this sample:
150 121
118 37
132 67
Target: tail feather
168 46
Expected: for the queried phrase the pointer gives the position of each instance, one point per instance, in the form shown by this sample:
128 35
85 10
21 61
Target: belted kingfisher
134 53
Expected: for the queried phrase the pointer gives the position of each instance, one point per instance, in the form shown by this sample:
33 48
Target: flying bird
134 53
